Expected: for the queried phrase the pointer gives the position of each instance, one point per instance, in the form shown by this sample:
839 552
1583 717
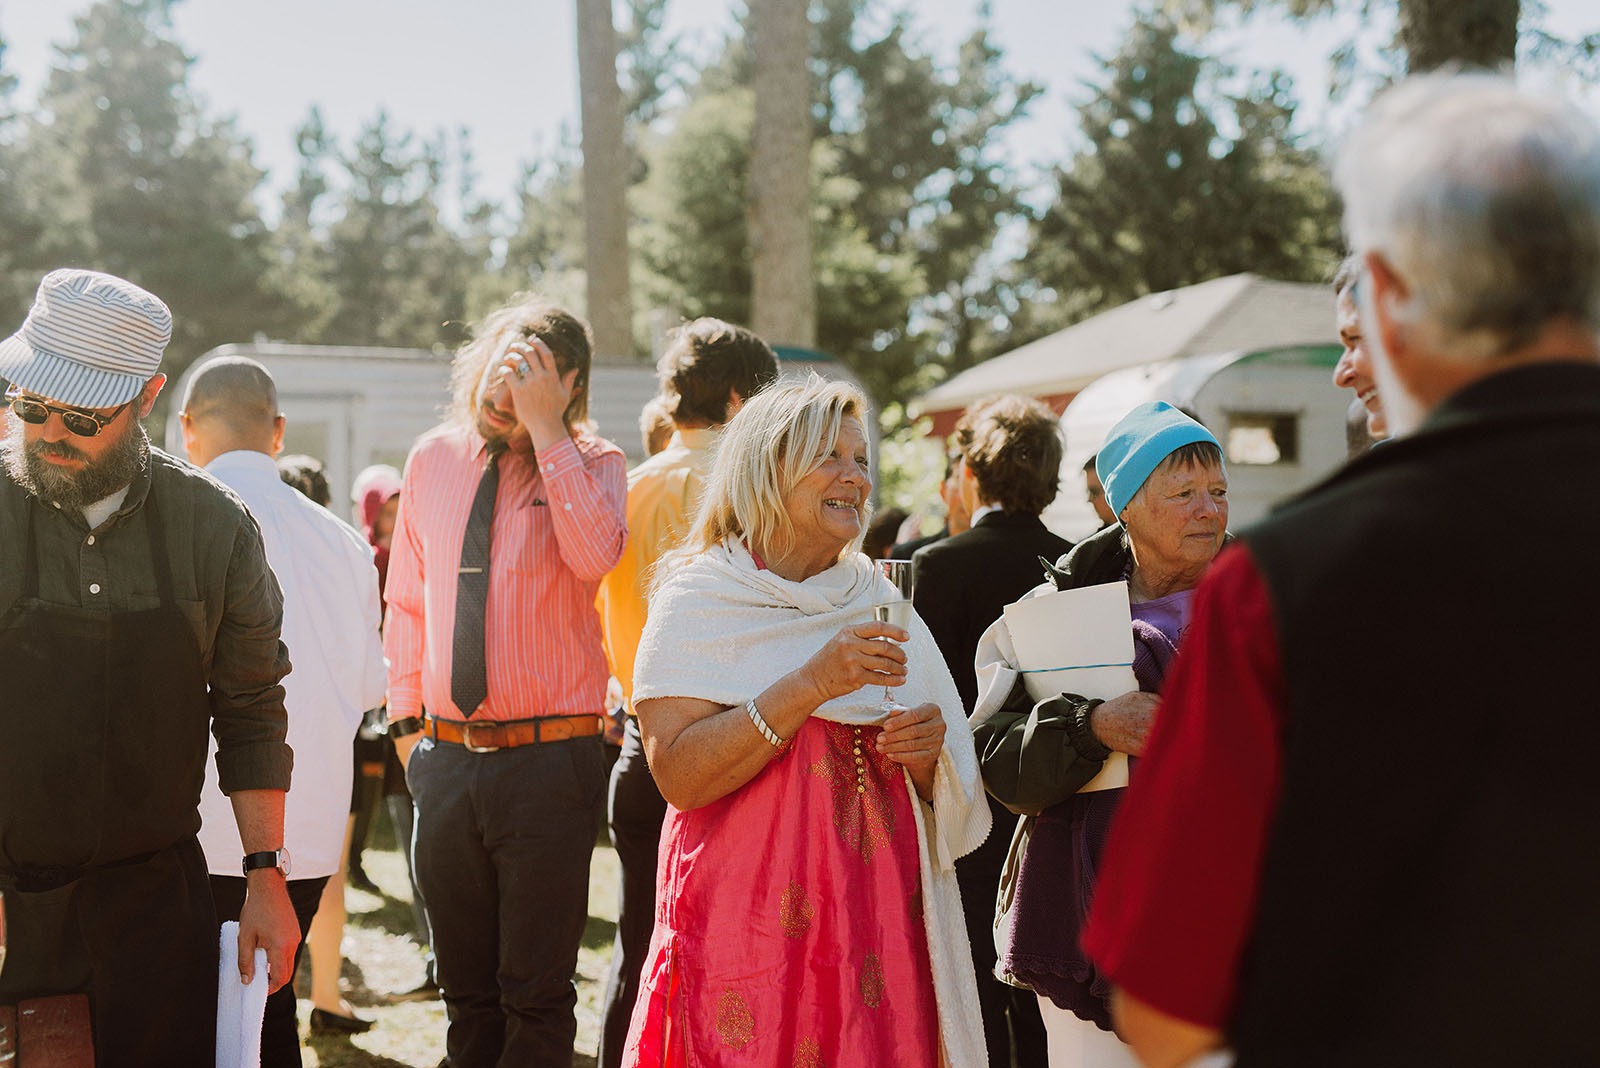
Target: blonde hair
778 438
566 335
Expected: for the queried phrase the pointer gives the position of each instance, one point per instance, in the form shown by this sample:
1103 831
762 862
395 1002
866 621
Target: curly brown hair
1013 445
706 359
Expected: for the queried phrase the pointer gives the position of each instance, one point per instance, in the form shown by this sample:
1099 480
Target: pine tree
400 273
1161 198
123 172
910 190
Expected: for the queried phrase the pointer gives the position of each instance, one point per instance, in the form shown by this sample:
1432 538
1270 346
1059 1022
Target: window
1263 438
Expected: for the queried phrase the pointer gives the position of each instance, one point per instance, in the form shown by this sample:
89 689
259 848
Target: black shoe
337 1023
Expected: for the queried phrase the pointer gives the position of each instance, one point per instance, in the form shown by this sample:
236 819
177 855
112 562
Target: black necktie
469 674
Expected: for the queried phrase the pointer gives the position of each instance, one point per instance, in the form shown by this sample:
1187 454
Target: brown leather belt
488 735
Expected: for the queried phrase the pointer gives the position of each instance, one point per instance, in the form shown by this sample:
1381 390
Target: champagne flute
896 611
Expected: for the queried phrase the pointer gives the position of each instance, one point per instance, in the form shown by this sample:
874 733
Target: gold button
861 788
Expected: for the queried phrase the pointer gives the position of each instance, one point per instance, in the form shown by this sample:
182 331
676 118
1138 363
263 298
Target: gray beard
25 463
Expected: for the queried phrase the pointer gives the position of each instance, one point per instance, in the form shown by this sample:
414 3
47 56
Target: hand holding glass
895 610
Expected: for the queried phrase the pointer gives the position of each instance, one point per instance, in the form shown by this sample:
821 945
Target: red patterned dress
789 929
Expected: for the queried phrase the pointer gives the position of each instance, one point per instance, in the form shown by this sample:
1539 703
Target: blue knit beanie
1137 445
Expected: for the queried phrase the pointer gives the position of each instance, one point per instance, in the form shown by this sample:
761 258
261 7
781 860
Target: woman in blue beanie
1164 478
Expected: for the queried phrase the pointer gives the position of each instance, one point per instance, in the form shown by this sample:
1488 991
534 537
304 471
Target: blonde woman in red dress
807 911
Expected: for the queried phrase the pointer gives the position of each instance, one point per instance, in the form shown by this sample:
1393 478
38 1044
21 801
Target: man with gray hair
232 426
136 611
1407 876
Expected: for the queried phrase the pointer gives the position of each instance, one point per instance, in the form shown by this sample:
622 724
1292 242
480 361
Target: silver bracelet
761 725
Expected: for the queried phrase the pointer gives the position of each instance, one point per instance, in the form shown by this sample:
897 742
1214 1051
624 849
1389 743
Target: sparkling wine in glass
893 607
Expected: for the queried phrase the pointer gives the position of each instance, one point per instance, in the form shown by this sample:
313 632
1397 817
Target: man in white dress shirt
232 427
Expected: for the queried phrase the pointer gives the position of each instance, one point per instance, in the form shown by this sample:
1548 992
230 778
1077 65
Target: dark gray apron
103 741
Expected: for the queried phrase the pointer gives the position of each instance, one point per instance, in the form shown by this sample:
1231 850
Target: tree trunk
605 178
783 293
1473 33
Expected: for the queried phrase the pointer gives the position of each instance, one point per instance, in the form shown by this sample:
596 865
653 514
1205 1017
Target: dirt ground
381 962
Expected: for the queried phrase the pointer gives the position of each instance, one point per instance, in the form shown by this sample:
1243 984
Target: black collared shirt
221 583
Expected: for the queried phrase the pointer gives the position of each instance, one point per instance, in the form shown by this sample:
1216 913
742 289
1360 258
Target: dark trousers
1009 1013
636 809
141 940
280 1029
502 846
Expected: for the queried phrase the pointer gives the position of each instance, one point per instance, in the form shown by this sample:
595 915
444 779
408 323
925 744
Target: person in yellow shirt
707 373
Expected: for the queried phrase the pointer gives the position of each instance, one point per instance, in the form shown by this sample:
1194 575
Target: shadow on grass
393 915
336 1051
599 933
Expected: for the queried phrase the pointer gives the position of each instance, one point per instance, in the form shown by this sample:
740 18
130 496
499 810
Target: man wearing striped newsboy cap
138 617
91 340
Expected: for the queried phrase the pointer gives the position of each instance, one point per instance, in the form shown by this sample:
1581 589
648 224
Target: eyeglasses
77 421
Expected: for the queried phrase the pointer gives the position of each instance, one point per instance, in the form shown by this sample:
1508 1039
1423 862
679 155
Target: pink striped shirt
559 526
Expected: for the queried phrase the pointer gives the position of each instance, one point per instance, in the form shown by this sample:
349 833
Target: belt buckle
467 743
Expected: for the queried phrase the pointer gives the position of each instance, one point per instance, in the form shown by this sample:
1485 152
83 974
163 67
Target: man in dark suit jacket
1009 469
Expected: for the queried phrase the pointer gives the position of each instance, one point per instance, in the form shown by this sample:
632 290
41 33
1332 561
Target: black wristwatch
275 858
403 727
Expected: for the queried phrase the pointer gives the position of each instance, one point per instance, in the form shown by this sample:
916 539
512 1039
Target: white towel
240 1006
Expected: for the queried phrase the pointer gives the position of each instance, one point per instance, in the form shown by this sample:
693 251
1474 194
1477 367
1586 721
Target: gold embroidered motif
795 911
734 1023
872 984
863 817
808 1054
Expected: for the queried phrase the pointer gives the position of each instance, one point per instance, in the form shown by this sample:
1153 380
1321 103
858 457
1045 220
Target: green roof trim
800 355
1296 356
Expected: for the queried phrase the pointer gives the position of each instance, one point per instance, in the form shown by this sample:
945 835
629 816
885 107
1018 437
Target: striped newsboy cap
91 340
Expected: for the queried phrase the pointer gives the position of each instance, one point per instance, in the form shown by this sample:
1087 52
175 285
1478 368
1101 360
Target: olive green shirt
221 583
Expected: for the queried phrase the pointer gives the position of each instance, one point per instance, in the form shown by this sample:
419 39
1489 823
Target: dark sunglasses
77 421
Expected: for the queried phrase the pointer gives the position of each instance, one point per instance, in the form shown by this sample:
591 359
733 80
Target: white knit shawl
720 629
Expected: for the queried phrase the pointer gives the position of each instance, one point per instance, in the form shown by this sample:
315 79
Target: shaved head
234 387
231 404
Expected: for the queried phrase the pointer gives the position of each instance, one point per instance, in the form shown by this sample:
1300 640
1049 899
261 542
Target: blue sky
506 69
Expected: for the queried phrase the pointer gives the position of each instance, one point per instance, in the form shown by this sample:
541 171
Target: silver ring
522 368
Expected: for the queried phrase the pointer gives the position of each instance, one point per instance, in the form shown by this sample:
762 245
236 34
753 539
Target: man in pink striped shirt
510 514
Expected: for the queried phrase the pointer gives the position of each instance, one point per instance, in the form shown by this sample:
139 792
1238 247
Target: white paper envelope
1087 627
1077 641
